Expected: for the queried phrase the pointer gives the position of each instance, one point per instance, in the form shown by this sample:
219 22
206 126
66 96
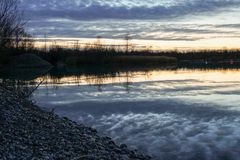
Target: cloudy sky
168 23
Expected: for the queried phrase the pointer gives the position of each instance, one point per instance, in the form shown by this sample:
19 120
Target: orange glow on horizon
144 76
154 45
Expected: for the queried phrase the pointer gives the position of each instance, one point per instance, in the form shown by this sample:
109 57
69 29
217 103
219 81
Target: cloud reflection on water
172 136
177 114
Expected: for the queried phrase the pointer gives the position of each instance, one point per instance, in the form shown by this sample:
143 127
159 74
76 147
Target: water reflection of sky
143 76
181 114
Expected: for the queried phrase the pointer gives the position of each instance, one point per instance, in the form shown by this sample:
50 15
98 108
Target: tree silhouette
11 23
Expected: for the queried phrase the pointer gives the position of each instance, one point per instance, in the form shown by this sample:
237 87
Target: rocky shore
29 133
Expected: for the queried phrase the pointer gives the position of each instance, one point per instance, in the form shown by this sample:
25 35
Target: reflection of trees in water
100 80
122 78
99 77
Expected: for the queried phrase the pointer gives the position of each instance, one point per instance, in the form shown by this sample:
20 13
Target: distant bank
60 57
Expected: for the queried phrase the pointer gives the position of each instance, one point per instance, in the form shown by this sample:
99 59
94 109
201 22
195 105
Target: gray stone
28 132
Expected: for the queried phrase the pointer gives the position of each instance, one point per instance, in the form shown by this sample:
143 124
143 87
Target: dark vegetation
12 24
58 56
13 38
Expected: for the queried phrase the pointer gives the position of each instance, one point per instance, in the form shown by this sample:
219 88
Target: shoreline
28 132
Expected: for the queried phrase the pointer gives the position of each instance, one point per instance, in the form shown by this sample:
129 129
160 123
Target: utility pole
99 45
45 42
127 39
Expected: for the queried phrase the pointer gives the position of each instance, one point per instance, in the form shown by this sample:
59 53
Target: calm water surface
177 114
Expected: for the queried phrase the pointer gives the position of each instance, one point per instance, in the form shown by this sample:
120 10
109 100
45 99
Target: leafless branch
11 23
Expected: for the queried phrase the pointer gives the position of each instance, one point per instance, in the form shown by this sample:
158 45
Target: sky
158 23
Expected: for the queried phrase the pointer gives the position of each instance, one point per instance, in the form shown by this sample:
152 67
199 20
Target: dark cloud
94 9
234 26
156 20
137 29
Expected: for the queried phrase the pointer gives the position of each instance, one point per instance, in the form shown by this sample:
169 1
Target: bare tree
11 23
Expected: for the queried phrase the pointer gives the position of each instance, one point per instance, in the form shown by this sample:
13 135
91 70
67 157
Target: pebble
28 132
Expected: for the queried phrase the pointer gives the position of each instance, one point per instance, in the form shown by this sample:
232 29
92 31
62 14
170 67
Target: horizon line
138 44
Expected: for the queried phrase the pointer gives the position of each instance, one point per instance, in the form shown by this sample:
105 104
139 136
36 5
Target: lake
174 113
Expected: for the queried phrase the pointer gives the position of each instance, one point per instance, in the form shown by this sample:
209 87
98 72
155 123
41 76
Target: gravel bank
27 132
